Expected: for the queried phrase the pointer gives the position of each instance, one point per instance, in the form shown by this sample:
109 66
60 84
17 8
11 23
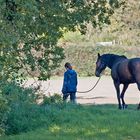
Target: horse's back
134 62
128 70
122 71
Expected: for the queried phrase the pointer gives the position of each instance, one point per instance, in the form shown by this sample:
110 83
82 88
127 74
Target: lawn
88 122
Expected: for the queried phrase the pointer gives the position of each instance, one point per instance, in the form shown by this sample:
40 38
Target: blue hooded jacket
70 82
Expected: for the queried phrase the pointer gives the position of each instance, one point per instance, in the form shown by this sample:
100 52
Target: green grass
95 122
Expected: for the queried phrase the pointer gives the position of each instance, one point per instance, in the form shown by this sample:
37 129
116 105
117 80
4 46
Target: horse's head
100 65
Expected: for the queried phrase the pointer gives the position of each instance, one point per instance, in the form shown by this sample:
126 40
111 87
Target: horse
123 71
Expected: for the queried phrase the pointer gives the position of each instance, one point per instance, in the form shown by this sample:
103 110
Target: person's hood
71 71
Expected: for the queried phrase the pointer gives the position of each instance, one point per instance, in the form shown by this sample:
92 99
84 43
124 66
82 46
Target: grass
94 122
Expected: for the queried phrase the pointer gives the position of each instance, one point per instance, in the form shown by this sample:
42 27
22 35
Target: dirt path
104 93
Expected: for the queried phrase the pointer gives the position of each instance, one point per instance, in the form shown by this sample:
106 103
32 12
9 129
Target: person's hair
68 65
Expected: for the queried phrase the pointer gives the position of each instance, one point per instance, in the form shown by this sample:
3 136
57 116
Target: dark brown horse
123 71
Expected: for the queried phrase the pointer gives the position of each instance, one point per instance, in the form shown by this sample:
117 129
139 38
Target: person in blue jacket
69 83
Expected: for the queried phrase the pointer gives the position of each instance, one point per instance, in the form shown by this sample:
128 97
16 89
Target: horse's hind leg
125 86
138 84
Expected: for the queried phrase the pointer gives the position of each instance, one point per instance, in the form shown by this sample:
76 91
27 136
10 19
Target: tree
30 30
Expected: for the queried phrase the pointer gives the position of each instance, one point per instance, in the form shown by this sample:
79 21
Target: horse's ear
98 55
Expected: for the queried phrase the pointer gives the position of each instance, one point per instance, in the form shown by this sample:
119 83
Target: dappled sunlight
72 130
55 128
100 122
105 130
86 130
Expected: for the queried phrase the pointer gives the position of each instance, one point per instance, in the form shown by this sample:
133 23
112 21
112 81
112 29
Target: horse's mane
123 56
113 56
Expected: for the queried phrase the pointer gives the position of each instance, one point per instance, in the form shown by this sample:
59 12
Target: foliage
16 94
128 20
123 32
97 122
12 97
55 99
4 109
124 28
27 116
30 30
19 109
84 54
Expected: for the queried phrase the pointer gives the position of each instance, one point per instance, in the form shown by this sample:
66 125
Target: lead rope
91 88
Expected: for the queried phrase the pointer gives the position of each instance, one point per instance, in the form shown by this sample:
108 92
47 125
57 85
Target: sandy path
104 92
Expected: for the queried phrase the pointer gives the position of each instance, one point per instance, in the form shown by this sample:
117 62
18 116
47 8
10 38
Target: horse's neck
113 60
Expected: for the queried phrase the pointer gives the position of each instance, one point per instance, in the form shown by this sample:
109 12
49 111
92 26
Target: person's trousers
72 96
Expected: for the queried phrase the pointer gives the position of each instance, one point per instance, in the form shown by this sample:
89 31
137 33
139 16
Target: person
69 83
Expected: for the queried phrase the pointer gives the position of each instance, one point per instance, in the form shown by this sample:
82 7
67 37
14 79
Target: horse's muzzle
97 74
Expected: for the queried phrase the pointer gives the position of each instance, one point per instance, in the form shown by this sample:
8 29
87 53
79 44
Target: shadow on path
99 97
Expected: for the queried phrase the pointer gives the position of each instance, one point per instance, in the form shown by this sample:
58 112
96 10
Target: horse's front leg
117 86
122 95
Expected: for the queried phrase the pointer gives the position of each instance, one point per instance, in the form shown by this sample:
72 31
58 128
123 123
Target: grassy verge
76 122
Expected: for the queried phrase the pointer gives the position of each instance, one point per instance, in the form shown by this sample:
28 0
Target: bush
24 113
14 94
83 57
3 114
13 101
25 117
72 37
55 99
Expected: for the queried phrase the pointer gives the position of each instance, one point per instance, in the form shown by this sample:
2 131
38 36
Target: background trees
30 30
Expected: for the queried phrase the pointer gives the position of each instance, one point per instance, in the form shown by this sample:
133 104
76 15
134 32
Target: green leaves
31 29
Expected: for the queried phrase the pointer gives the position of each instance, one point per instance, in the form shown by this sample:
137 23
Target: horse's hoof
120 107
125 106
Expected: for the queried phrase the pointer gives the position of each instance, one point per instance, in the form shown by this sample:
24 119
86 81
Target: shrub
55 99
15 102
24 113
3 114
25 117
14 94
83 57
